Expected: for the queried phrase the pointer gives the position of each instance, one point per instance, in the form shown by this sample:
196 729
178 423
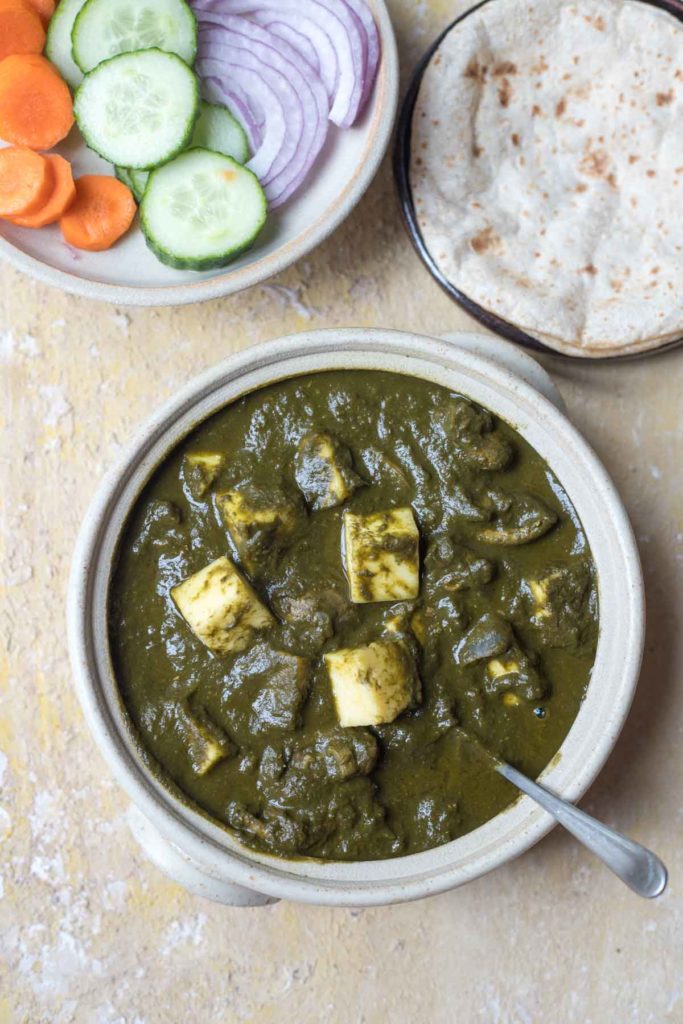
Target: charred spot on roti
561 107
594 162
476 71
504 68
515 139
541 66
589 269
505 93
486 241
663 99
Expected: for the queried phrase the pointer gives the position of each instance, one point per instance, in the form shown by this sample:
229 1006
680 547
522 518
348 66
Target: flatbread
547 169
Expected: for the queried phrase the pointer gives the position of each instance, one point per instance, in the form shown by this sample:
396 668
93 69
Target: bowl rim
382 109
377 882
401 163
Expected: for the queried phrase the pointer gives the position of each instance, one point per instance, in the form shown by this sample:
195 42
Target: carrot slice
43 8
102 211
58 202
36 109
21 30
25 181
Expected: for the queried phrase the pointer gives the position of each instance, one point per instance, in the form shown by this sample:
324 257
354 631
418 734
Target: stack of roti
547 169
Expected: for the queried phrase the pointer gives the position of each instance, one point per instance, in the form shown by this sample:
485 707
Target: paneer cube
373 685
500 668
257 523
540 592
561 603
510 700
382 556
200 470
514 671
324 471
206 744
220 607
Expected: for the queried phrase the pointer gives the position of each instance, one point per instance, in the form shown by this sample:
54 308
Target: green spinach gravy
326 590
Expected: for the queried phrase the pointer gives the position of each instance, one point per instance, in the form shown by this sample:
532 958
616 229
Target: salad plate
130 274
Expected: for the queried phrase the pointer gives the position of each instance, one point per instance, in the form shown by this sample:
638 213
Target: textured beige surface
90 932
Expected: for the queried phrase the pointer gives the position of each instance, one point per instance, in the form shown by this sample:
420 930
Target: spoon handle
639 868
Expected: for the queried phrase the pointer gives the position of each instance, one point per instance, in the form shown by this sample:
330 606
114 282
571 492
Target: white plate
129 274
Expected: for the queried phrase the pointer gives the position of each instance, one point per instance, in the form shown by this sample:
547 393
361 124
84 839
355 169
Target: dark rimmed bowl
402 175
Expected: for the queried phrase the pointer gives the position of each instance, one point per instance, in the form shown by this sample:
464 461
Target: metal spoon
639 868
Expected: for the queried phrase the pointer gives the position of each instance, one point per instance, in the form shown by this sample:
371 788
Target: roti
547 169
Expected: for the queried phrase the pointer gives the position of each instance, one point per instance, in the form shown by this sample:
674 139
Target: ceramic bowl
203 856
129 274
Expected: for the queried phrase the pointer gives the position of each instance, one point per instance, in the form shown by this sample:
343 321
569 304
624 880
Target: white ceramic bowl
129 274
204 857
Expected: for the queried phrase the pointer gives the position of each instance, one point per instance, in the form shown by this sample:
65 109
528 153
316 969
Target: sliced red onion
346 32
277 54
276 20
296 40
274 96
232 95
289 170
365 16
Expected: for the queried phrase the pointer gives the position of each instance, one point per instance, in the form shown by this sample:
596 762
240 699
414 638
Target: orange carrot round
102 212
21 30
25 181
36 109
59 200
43 8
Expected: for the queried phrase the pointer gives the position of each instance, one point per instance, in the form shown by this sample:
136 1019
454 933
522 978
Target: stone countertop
89 931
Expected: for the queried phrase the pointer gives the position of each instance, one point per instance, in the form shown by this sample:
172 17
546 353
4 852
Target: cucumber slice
123 174
58 44
217 129
139 181
135 180
139 109
202 210
105 28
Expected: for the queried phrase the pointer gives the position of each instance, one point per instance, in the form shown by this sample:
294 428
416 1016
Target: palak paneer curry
327 590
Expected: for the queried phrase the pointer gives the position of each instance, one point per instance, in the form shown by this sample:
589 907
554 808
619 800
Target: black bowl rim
402 153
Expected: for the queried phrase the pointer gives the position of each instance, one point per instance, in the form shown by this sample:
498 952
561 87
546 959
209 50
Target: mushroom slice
519 519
